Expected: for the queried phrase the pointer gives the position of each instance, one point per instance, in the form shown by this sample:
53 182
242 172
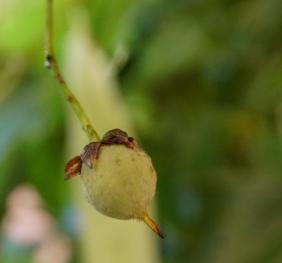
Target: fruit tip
152 224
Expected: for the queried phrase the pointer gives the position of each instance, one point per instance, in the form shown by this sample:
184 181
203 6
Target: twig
51 63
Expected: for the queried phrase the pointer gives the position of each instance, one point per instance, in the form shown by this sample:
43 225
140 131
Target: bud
121 182
118 177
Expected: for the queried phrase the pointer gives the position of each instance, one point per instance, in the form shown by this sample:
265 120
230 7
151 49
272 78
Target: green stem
51 63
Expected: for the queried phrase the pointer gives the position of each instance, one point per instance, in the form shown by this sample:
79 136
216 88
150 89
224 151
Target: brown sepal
117 136
90 153
73 167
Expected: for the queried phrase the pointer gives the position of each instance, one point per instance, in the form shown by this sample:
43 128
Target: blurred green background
202 82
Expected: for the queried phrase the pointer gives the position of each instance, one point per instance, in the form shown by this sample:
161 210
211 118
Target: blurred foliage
203 82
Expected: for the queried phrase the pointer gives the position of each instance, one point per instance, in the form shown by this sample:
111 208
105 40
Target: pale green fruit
122 182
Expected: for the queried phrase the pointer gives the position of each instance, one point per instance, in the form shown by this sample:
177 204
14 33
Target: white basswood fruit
118 177
121 183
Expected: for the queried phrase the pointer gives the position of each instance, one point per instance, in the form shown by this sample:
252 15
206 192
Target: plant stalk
51 63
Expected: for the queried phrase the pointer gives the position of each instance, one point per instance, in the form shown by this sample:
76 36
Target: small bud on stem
118 177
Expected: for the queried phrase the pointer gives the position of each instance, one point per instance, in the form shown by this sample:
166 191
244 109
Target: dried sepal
73 167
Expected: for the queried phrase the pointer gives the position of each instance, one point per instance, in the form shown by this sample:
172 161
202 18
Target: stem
51 63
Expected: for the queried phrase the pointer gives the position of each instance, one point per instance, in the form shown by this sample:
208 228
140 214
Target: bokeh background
198 82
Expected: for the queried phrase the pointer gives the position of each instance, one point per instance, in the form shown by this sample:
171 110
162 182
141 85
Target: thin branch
51 63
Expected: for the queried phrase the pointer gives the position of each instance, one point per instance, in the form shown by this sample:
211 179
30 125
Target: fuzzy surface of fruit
121 183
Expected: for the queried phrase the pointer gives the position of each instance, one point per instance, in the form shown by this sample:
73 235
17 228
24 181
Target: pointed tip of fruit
161 235
152 224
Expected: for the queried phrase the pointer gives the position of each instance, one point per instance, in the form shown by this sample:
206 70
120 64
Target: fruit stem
151 223
51 63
